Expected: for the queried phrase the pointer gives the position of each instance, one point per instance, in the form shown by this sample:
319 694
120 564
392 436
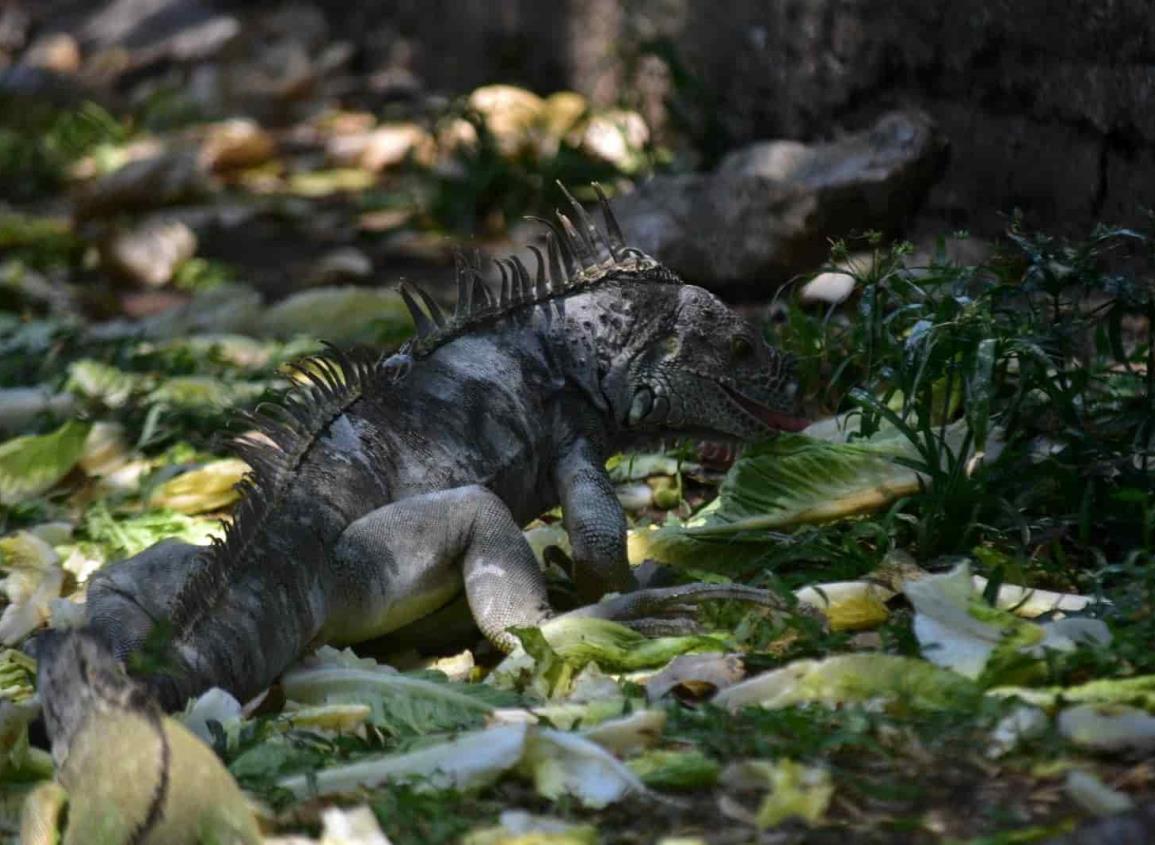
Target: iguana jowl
381 491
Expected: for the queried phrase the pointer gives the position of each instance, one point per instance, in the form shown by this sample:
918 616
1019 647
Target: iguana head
704 371
671 356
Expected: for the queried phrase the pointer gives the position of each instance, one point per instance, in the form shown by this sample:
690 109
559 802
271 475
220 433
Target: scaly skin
130 775
406 486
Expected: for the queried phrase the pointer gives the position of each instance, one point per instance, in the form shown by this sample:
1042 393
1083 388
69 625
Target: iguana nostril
641 406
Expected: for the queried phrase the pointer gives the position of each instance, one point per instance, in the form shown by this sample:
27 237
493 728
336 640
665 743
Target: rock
225 309
14 25
149 254
236 144
20 407
152 182
57 52
341 266
834 286
148 32
769 210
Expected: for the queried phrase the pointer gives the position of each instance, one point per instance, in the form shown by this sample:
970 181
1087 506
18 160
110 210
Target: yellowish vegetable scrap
848 678
959 631
210 488
355 826
40 818
849 605
796 791
341 718
34 579
640 729
517 827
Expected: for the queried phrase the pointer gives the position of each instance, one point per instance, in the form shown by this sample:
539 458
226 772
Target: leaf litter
966 537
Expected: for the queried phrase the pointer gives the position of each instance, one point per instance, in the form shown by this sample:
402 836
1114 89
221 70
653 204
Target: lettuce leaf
32 464
854 678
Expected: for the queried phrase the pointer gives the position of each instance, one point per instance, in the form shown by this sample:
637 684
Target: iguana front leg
595 521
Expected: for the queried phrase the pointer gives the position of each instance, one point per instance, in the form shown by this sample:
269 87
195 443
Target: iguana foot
664 610
683 626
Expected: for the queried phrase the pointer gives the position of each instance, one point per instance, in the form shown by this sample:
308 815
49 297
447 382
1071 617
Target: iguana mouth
767 416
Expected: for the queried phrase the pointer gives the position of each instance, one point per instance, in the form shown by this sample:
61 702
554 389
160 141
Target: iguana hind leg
406 559
127 599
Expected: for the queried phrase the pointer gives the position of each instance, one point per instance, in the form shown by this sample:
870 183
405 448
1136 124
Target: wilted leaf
31 464
568 764
615 647
956 629
852 678
42 814
34 580
1138 691
1030 602
638 730
99 381
19 761
1095 797
796 790
205 392
212 487
124 536
401 703
17 676
105 450
1108 727
214 705
517 827
848 605
341 718
470 761
346 314
696 675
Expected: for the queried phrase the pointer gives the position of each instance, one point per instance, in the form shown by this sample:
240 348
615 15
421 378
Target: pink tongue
783 422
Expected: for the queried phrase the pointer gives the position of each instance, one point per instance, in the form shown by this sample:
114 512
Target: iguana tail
76 675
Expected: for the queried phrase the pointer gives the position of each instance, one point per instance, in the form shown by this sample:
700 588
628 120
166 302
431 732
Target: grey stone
149 254
161 180
769 210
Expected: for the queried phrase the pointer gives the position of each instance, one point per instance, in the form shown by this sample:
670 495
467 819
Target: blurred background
319 143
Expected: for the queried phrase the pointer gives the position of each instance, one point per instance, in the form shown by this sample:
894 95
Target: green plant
38 142
1031 351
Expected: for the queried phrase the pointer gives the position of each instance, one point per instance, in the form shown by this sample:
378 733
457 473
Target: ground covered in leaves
965 537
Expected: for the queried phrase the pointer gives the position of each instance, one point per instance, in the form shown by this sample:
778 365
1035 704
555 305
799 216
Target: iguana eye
741 347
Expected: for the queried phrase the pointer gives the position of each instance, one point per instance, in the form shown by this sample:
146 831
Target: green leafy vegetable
32 464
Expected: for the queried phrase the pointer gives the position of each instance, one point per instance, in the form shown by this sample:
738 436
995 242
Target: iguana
383 490
129 774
